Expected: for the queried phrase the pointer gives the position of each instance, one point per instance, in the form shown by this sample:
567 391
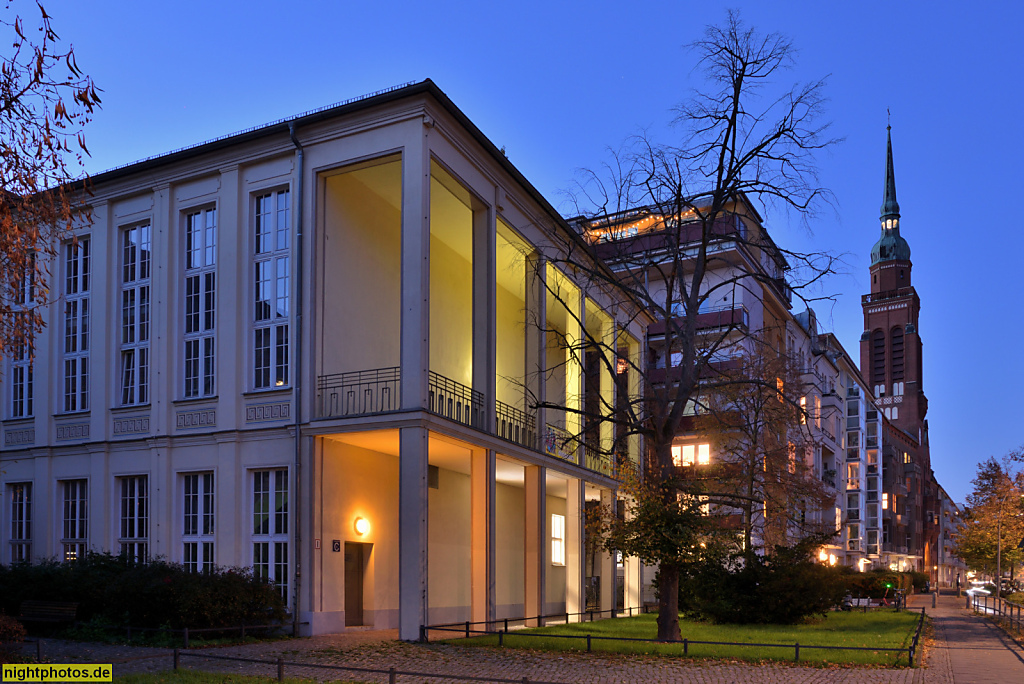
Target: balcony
455 401
513 425
708 318
359 393
559 443
888 294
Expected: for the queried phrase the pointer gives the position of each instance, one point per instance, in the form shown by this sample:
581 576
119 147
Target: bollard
588 643
935 599
391 675
175 658
967 601
796 659
467 629
280 669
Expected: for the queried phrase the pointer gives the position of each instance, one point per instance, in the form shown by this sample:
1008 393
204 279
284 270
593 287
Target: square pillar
412 532
633 576
575 553
485 300
482 484
536 540
536 339
415 294
606 562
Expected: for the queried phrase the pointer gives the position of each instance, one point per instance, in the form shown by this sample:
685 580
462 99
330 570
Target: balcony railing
598 461
455 401
513 425
359 392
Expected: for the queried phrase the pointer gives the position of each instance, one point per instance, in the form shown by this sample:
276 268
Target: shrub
11 634
786 587
879 582
156 594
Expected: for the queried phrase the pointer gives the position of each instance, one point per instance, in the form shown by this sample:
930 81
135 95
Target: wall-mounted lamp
362 526
823 555
832 559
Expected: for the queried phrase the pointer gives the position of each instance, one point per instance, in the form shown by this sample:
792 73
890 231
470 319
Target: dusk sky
557 83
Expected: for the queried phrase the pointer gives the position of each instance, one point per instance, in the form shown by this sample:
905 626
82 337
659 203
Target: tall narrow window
270 527
77 281
134 538
75 532
21 521
897 353
272 289
136 253
878 357
198 528
557 539
21 357
200 302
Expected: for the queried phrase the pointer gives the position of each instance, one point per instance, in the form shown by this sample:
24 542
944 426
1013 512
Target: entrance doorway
356 555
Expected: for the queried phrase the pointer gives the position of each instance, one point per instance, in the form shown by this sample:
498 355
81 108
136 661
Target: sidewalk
967 650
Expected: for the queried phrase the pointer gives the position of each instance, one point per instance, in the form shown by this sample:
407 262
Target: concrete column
485 322
575 553
483 514
633 576
412 532
415 343
606 562
536 538
536 338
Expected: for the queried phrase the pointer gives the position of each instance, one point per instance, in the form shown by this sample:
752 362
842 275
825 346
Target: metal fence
513 425
378 390
455 401
1012 612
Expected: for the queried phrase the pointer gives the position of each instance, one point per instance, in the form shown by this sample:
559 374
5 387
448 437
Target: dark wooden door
353 584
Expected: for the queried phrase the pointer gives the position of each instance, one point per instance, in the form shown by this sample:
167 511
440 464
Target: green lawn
875 629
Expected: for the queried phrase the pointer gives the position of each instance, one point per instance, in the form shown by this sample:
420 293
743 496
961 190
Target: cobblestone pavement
381 650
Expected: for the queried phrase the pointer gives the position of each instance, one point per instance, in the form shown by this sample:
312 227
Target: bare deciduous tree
45 100
678 241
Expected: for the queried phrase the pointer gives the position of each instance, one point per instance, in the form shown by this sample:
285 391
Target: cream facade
312 349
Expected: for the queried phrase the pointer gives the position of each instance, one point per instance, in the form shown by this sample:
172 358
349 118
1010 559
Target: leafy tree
993 526
45 100
663 224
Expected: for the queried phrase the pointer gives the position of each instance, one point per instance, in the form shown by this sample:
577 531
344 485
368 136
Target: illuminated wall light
362 526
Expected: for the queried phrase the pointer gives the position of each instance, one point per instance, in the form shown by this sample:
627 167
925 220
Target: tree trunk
668 603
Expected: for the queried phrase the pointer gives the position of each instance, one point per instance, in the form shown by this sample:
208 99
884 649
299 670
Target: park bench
48 611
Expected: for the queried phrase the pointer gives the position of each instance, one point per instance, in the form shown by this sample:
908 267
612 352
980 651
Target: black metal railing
513 425
597 460
455 401
355 393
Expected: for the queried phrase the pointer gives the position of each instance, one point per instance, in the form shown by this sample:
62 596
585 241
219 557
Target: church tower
890 348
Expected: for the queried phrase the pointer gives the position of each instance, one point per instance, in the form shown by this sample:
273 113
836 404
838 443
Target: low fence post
796 658
392 675
506 624
686 647
185 631
175 657
501 638
467 629
588 643
423 634
280 669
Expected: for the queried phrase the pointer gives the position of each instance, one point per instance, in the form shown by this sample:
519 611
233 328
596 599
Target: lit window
557 539
781 387
75 537
885 501
703 454
803 410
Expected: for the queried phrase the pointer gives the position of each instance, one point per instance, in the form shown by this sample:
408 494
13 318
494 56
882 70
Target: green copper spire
890 207
891 246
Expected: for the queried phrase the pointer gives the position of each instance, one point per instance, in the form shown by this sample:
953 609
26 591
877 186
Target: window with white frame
198 521
75 530
21 357
200 361
272 289
270 527
134 537
557 539
136 258
20 494
688 454
77 281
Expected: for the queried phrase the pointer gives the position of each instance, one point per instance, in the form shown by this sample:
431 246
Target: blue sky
557 83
